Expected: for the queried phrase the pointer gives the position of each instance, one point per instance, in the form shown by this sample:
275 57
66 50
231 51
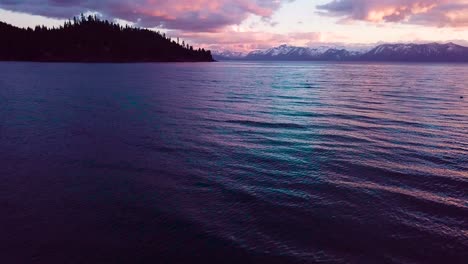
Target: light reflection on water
359 163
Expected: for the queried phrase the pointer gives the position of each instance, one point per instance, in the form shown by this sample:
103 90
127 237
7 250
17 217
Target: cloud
252 40
441 13
193 15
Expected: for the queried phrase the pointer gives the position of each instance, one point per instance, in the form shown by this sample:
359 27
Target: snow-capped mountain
432 52
285 52
227 55
339 55
290 50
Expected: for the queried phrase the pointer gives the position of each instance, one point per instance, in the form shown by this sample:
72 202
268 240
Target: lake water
233 162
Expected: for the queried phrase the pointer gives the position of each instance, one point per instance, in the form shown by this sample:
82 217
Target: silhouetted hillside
89 39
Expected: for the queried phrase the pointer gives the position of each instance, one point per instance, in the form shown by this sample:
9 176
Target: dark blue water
233 162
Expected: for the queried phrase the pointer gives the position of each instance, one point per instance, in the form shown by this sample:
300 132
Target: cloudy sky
245 25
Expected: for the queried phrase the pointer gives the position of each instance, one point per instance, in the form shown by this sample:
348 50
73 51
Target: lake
234 162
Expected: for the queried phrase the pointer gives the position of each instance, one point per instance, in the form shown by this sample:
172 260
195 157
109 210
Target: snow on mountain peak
383 52
284 49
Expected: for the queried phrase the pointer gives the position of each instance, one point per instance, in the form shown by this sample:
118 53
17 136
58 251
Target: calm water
233 162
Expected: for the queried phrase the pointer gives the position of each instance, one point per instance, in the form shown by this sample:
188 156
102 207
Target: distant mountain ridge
285 52
431 52
89 39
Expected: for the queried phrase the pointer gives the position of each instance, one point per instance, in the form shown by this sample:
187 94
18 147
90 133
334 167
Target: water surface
234 162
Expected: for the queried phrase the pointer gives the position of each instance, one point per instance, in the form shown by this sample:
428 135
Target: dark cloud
199 15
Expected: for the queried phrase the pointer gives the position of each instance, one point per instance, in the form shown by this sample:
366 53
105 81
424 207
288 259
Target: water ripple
310 162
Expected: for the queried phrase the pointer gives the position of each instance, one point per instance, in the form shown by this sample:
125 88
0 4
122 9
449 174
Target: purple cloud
442 13
199 15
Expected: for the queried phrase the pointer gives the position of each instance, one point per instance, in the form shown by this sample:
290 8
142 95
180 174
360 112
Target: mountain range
431 52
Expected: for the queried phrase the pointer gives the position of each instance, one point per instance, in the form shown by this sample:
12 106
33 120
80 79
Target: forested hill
89 39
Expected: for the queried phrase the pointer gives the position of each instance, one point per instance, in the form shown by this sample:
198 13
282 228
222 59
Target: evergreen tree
88 38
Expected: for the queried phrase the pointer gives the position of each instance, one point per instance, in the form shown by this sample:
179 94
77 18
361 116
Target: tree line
90 39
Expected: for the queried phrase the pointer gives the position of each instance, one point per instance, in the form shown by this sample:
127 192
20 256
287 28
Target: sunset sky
244 25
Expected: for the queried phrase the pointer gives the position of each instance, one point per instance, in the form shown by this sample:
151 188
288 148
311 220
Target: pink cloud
441 13
252 40
199 15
